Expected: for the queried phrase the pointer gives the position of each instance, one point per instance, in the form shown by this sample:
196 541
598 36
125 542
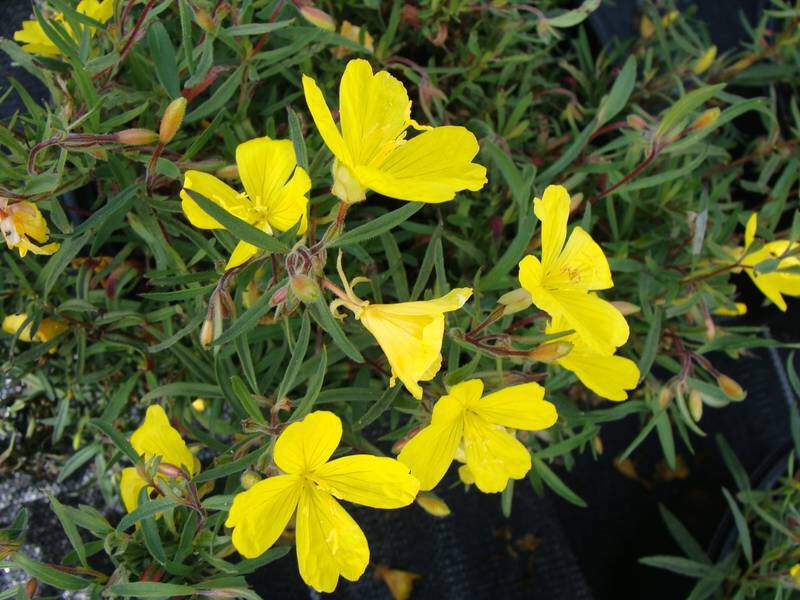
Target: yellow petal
156 437
493 455
50 328
264 167
552 209
750 230
374 111
705 61
431 167
218 192
324 121
35 40
308 444
329 542
465 475
290 204
738 308
451 301
466 392
581 264
517 406
607 376
259 515
99 10
429 453
243 252
130 484
13 323
375 481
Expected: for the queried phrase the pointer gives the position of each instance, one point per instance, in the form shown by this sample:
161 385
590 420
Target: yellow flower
561 283
352 33
274 198
608 376
328 541
794 573
48 328
410 335
35 41
154 437
371 151
776 283
19 223
492 454
705 61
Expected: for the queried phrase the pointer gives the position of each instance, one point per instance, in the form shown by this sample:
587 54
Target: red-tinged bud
227 172
551 352
279 297
318 18
433 505
172 119
249 478
136 137
204 20
637 122
169 470
706 119
305 288
730 387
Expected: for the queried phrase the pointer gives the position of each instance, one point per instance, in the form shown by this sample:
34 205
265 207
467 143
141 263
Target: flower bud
136 137
626 308
400 444
550 352
170 470
318 18
207 333
400 583
304 288
172 119
636 122
730 387
204 20
597 442
227 172
664 396
249 478
199 404
279 297
433 505
345 186
515 301
705 61
696 405
706 119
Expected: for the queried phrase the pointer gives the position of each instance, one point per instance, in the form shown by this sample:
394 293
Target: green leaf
741 526
296 135
738 472
49 575
185 389
164 58
145 510
248 320
681 109
60 261
298 354
617 98
324 318
682 537
152 540
69 528
150 589
555 483
378 408
314 387
651 343
117 439
246 399
377 226
682 566
576 16
255 28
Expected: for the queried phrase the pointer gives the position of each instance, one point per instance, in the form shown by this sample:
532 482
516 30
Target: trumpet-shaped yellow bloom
371 150
35 41
274 197
608 376
48 328
329 543
410 335
478 424
22 222
778 282
154 437
561 283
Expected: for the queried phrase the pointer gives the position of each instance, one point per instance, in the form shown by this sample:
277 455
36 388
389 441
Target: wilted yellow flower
329 543
400 583
705 61
773 284
561 283
371 151
35 41
352 33
48 328
274 197
492 454
608 376
154 437
22 222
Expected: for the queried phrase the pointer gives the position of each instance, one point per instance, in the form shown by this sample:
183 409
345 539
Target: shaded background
548 548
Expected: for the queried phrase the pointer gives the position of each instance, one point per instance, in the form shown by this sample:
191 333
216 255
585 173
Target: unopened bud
705 61
664 396
279 296
636 122
597 442
136 137
706 119
515 301
730 387
227 172
304 288
251 294
204 20
696 405
400 583
318 18
433 505
711 328
169 470
626 308
199 404
172 119
400 444
249 478
550 352
31 586
207 333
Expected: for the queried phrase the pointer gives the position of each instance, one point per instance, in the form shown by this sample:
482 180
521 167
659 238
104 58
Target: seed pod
172 119
136 137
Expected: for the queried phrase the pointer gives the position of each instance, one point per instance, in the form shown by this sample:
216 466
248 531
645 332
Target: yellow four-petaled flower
35 41
22 222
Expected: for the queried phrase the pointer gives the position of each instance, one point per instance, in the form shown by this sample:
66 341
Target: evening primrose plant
225 321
